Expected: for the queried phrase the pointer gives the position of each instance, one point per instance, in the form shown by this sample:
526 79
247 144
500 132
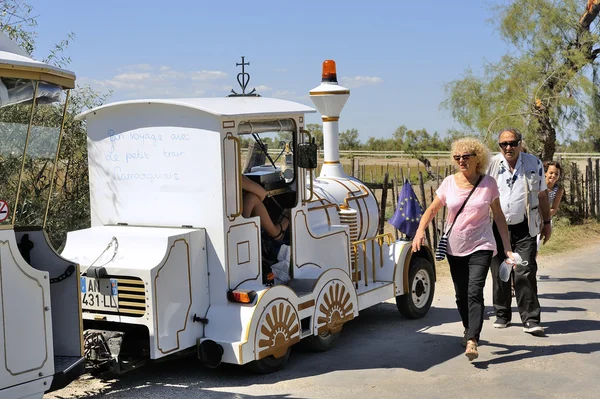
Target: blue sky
395 56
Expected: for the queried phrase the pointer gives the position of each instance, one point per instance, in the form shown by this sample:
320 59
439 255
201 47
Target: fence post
383 203
434 224
591 190
422 185
597 187
573 182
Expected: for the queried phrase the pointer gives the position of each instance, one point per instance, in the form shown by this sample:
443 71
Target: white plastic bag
281 269
507 266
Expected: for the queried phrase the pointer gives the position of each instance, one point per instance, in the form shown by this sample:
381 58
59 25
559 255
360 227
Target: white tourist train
170 265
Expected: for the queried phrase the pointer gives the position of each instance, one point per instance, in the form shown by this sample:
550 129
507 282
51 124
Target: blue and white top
552 194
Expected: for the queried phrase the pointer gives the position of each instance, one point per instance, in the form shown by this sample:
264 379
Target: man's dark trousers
524 276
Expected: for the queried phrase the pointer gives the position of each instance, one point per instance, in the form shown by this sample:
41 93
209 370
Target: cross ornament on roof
243 79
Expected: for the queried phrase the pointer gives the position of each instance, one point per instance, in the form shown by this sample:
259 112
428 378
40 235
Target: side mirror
306 155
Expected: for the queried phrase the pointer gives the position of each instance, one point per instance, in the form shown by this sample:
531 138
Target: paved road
382 355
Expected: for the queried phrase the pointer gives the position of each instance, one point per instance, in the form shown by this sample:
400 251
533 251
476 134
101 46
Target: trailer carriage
41 348
170 265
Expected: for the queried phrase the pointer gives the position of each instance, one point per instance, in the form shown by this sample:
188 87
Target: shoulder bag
440 252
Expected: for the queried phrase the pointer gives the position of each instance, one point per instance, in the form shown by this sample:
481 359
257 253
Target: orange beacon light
329 72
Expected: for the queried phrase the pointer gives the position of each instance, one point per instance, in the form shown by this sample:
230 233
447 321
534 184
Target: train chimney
329 99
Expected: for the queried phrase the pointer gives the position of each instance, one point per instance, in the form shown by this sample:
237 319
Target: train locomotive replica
170 265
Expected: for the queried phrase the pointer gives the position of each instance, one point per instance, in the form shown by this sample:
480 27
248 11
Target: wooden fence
582 191
581 184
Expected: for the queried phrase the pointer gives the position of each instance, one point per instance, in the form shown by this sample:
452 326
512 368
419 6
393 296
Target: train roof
222 106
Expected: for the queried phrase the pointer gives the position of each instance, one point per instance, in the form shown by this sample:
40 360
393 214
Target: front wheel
421 284
269 364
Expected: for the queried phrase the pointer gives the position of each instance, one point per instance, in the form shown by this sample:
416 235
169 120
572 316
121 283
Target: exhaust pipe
210 353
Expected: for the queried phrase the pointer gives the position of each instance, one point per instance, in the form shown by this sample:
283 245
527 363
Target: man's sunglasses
513 144
464 157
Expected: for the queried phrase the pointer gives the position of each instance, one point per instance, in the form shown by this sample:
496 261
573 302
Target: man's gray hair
514 131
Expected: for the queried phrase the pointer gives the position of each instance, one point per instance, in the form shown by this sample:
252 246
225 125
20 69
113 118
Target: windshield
268 147
34 167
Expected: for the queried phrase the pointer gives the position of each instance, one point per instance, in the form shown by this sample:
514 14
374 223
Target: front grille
131 298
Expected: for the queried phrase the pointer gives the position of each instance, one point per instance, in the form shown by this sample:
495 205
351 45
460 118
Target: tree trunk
547 136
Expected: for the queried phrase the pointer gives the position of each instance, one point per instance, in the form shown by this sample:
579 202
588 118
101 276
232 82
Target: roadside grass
567 237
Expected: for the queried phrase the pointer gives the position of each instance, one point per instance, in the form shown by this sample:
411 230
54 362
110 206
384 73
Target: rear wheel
269 364
323 342
421 285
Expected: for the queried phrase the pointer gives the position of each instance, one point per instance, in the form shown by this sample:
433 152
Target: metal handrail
363 243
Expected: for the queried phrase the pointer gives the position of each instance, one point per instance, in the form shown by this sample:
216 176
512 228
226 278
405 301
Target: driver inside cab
254 195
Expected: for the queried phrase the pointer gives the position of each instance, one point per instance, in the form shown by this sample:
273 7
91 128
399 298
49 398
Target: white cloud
132 76
209 75
145 81
137 67
358 81
263 88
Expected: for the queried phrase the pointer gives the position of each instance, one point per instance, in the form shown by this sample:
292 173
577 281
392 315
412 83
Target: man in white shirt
524 201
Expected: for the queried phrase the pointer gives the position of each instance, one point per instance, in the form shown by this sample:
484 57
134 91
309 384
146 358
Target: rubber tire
323 343
405 303
269 364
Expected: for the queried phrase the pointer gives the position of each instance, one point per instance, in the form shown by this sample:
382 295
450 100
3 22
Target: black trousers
468 275
524 276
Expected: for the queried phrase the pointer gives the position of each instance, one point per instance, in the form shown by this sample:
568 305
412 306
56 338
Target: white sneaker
501 323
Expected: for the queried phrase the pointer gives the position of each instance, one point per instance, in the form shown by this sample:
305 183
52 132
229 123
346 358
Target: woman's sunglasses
464 157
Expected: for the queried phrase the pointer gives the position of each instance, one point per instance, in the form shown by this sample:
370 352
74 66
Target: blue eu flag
409 211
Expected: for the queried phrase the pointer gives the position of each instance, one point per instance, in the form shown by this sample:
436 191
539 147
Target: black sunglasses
513 144
465 157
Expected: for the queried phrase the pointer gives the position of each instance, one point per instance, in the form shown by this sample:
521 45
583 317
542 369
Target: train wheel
323 342
417 301
269 364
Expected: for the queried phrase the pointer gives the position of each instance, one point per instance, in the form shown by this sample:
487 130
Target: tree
316 131
69 208
545 86
415 142
17 21
349 140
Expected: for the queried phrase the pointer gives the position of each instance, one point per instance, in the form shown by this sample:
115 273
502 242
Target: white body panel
172 264
26 351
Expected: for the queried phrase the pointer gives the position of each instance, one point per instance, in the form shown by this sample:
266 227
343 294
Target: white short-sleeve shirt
513 188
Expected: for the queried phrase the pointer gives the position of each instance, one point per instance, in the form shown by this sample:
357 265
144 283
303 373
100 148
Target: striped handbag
440 251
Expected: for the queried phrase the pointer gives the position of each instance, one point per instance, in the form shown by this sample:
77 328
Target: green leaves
541 85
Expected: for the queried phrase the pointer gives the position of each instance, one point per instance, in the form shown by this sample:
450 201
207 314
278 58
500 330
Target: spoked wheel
323 342
269 364
416 303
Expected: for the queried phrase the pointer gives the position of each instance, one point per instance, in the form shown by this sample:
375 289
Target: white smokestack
329 99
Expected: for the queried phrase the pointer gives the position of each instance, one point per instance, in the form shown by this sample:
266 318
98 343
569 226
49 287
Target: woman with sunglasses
471 243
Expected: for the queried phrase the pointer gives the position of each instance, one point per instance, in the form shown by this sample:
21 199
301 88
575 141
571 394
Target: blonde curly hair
473 146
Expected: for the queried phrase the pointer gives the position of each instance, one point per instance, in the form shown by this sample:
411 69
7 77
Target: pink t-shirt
473 228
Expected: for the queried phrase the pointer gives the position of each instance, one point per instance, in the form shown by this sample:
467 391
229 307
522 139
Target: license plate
99 294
